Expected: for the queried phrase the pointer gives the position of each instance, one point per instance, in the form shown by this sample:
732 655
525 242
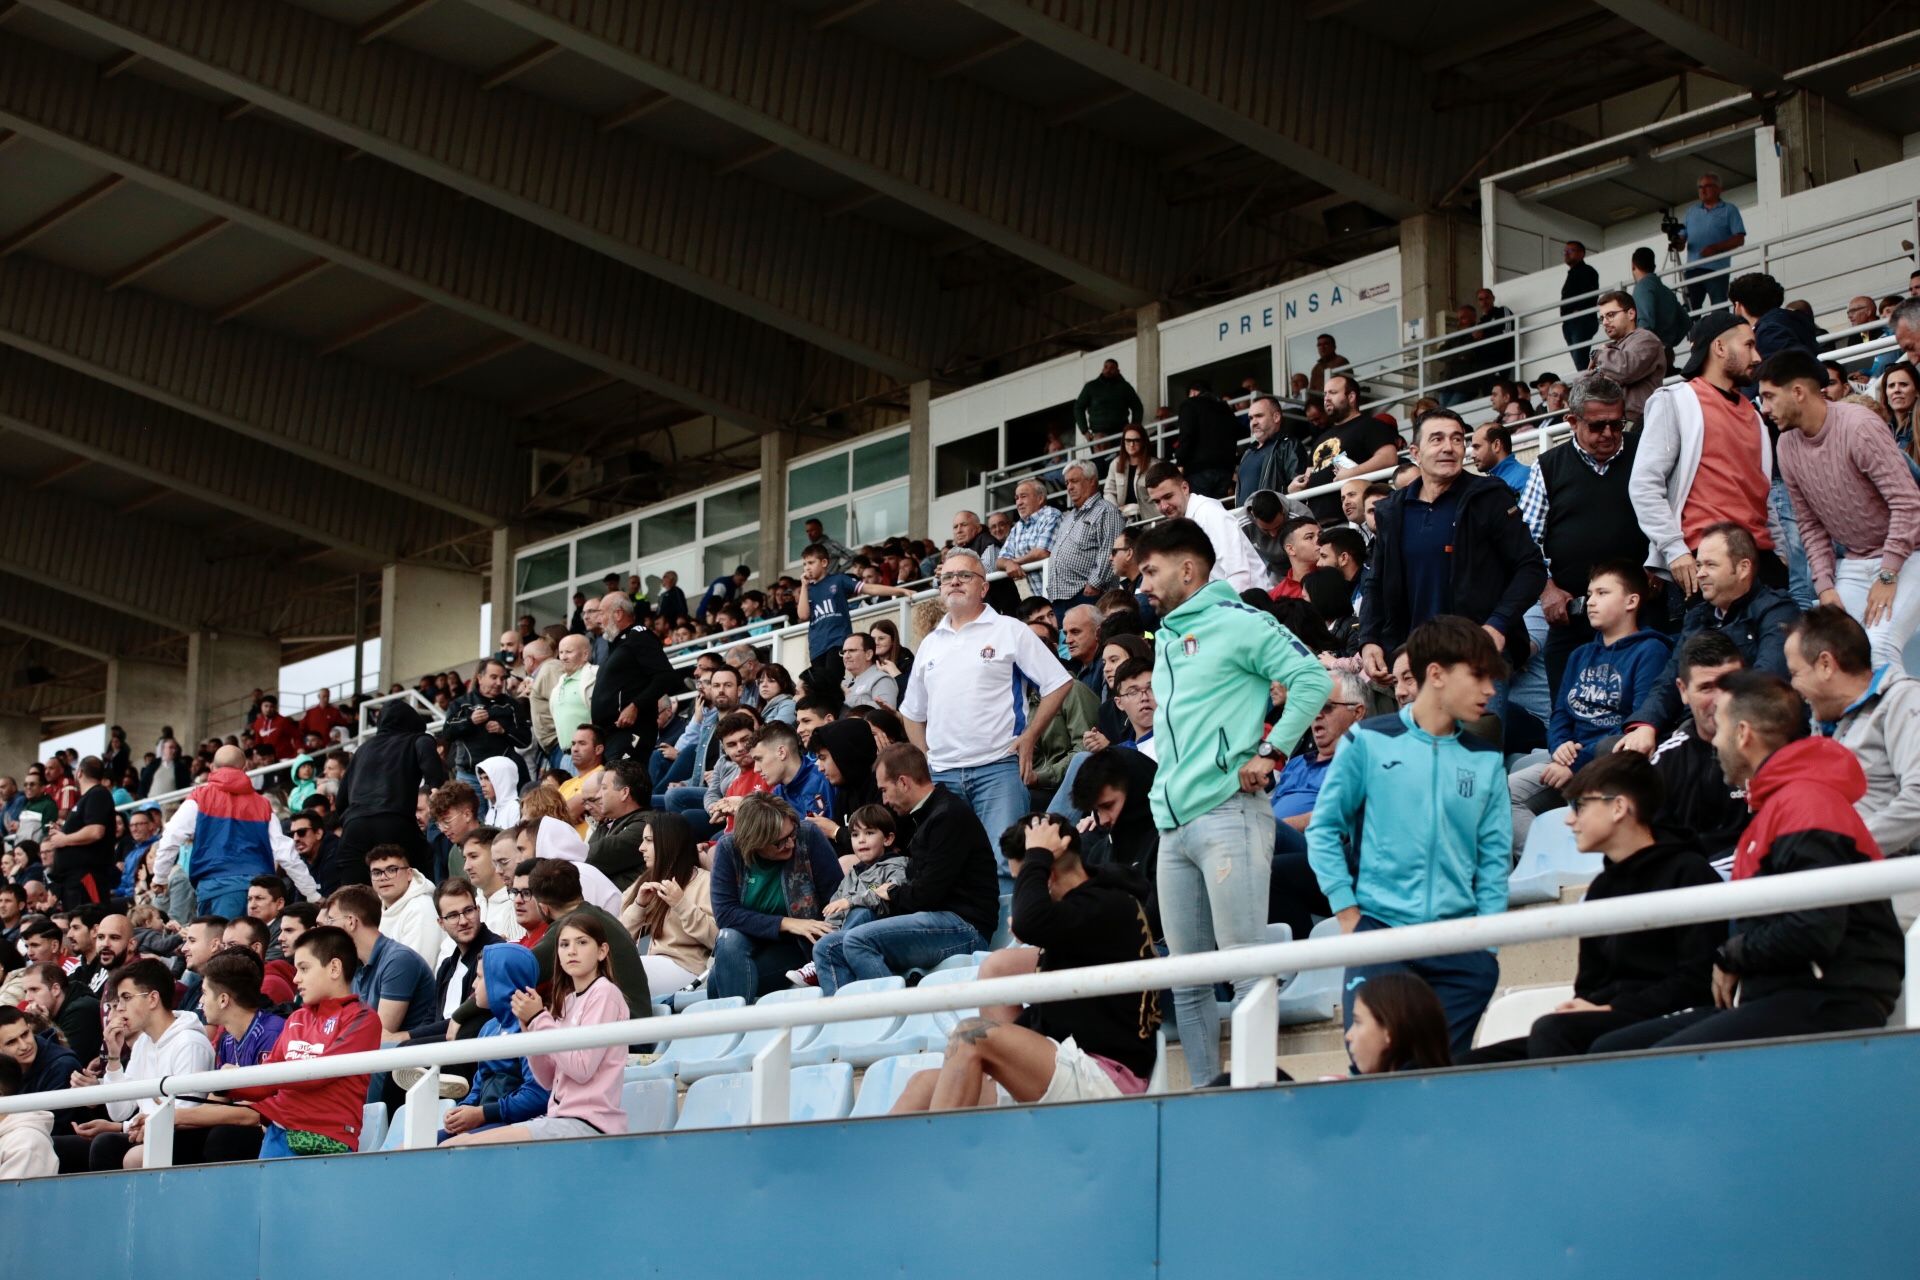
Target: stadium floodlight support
1253 1053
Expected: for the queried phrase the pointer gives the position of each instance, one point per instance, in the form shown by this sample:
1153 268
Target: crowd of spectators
1206 693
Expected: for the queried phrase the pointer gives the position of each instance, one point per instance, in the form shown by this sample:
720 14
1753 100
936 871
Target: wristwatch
1267 751
1885 578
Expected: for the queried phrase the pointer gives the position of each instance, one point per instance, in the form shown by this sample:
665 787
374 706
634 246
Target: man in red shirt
275 730
322 716
314 1117
1300 539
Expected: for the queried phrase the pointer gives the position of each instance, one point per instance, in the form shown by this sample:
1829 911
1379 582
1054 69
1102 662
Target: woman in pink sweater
584 1083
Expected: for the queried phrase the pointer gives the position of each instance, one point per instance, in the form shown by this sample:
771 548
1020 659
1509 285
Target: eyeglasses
1330 705
957 576
1133 693
384 873
521 895
1615 314
1617 426
454 916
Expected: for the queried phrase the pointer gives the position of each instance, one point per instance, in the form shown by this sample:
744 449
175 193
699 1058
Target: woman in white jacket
1126 486
165 1043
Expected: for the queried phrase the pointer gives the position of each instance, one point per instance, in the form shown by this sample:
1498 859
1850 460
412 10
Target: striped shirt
1035 533
1082 546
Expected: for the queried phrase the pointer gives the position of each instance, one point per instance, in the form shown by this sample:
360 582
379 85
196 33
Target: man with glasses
468 935
866 684
1712 227
962 706
1126 576
406 901
1631 356
1577 508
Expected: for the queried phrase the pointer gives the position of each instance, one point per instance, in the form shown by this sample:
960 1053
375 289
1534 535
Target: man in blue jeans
950 903
966 704
1424 807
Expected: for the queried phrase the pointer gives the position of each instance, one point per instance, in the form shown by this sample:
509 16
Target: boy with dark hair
794 777
1437 840
1699 797
1615 802
879 860
1300 539
1605 680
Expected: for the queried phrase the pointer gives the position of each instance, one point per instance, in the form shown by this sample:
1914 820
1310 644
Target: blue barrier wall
1795 1159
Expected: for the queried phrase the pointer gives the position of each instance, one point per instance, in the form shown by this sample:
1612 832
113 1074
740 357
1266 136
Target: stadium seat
1157 1081
880 1087
740 1057
1513 1012
681 1001
1310 996
660 1010
373 1126
686 1050
1003 932
718 1102
835 1036
955 962
649 1105
824 1092
1549 863
918 1033
397 1127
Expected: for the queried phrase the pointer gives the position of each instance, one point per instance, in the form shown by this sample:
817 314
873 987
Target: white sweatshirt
181 1048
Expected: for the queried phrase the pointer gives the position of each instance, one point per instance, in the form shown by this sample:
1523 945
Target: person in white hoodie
26 1149
500 786
556 839
165 1043
407 913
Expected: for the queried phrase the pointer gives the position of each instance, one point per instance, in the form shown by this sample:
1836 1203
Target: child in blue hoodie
504 1090
1604 682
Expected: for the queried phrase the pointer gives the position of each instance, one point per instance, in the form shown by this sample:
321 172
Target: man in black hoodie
1625 978
1111 789
381 791
1066 1050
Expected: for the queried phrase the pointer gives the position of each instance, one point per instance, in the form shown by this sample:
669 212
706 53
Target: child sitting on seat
875 861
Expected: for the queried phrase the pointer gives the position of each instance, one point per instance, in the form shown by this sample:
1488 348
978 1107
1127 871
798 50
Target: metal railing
1254 1024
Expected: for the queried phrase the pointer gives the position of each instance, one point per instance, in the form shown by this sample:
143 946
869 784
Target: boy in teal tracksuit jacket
1412 826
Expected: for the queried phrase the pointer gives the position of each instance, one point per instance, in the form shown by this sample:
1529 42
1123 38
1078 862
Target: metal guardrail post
771 1102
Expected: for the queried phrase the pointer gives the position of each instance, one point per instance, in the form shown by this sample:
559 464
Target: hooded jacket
505 779
26 1145
331 1108
304 784
1211 672
230 835
386 773
504 1088
182 1047
1803 818
1882 729
1659 971
1604 683
557 839
52 1070
1756 623
850 743
1784 329
413 920
476 743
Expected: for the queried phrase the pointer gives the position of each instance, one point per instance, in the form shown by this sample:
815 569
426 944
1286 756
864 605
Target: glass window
609 549
730 510
833 519
820 481
959 464
543 569
724 556
547 608
684 561
880 462
881 515
662 533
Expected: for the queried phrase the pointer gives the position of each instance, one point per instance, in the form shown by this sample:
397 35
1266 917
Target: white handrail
1759 896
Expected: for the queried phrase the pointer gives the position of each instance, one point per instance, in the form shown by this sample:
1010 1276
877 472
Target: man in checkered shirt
1081 566
1031 539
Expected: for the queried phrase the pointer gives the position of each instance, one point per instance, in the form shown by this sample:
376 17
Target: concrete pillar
429 619
1439 269
19 743
919 456
223 670
142 697
1821 141
1146 358
506 541
776 450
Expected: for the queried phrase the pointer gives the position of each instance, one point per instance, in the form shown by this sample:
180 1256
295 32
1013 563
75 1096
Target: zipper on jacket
1433 792
1163 720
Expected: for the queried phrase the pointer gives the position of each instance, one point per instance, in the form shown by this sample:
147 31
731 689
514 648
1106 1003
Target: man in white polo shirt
966 703
1235 561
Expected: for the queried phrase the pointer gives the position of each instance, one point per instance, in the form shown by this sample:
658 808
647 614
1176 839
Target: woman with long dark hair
776 694
1398 1025
671 904
889 654
1126 485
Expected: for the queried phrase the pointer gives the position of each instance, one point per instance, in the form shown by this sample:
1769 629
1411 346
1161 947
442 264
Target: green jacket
1104 406
1214 657
1061 740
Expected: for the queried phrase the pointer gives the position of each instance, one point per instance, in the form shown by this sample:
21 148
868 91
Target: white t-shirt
963 687
1235 562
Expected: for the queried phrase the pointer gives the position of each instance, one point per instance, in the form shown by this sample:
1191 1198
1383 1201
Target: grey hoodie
1883 732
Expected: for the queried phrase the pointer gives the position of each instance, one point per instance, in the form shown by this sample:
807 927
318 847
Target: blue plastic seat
1310 996
918 1033
718 1102
823 1092
690 1050
1003 932
373 1126
740 1057
650 1105
880 1088
955 962
1549 863
862 1031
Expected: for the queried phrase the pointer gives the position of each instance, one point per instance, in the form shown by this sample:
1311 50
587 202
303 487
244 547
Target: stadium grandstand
1255 612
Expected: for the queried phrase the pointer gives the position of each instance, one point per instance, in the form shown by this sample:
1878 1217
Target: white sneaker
804 976
452 1087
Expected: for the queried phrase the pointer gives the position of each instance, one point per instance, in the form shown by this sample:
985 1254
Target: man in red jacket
1801 972
275 730
314 1117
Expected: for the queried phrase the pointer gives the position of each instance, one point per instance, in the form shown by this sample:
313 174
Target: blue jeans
994 792
1530 691
1793 550
877 948
1214 873
222 896
1062 802
826 952
744 965
1464 983
691 804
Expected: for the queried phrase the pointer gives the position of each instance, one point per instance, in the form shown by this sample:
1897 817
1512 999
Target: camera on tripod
1674 229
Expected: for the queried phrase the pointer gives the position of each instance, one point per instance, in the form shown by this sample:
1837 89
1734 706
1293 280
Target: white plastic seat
1513 1012
881 1086
691 1050
1309 996
373 1126
650 1105
396 1134
1549 863
835 1036
740 1057
718 1102
823 1092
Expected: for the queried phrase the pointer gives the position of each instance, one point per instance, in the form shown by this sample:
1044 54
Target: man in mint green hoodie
1413 823
1216 660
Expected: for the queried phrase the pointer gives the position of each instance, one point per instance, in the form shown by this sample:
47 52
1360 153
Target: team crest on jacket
1463 779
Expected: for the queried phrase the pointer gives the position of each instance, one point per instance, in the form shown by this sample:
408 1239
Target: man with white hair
596 621
1080 567
1906 328
1031 538
631 680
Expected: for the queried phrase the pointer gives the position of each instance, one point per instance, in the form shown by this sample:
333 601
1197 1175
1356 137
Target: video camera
1674 229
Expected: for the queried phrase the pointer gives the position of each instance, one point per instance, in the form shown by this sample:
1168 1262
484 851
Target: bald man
542 672
235 838
569 696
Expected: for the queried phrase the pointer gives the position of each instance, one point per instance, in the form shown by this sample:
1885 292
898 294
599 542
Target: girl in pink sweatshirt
584 1083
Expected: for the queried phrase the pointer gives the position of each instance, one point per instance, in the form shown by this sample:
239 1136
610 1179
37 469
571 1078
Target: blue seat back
880 1088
